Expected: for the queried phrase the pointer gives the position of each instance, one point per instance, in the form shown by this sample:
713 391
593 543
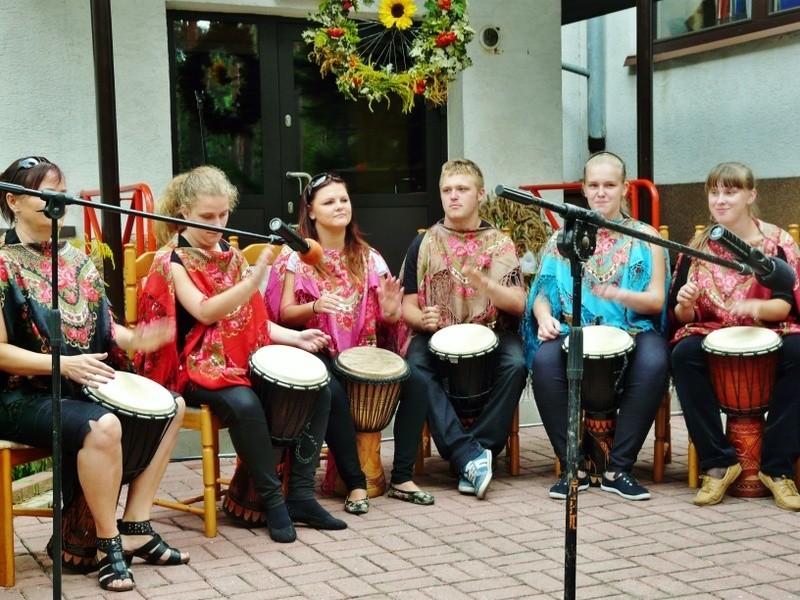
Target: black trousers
492 426
341 433
781 444
241 410
645 383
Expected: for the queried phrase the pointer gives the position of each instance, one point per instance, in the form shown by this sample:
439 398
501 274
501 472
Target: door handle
303 179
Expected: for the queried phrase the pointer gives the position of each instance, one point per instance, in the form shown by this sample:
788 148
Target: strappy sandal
417 497
113 566
356 507
154 552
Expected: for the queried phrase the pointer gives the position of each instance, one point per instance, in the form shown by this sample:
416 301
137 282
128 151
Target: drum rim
321 381
449 355
631 345
777 342
343 371
107 401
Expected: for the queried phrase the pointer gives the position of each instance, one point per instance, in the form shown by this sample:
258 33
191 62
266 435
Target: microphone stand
55 208
576 241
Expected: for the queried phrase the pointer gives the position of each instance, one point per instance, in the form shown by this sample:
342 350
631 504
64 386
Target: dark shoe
626 486
154 552
113 566
314 516
282 535
279 524
356 507
418 497
561 488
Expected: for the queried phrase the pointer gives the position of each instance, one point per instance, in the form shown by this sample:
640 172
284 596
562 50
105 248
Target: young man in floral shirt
463 270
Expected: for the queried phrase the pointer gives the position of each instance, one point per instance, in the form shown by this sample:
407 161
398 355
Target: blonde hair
462 166
730 175
605 157
184 189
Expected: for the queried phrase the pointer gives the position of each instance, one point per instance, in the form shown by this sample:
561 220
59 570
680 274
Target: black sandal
153 551
113 566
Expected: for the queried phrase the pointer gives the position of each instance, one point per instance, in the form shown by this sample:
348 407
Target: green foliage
37 466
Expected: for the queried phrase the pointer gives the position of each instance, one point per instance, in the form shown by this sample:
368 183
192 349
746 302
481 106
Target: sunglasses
27 163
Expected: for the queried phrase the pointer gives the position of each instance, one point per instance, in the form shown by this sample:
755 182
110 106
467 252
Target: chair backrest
253 251
134 270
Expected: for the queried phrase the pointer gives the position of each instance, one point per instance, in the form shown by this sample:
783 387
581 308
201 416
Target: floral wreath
438 50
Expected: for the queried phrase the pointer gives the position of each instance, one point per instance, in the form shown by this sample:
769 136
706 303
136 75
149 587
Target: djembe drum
145 410
605 359
742 362
373 378
466 366
288 381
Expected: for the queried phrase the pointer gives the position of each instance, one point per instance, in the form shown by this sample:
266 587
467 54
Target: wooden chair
198 419
11 455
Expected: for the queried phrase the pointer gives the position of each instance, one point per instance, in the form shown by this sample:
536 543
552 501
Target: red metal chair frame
141 199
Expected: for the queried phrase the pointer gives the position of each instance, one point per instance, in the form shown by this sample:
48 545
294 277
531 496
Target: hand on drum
87 369
390 296
750 307
549 328
312 340
430 319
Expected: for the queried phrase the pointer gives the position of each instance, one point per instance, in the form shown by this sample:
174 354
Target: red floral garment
721 287
445 252
87 323
214 356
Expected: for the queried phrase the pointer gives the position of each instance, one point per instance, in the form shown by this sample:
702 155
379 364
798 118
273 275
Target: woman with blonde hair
208 287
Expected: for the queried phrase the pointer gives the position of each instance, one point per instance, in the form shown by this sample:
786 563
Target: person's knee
105 433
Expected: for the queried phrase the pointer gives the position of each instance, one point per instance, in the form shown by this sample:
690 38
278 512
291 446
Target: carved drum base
598 437
745 435
369 455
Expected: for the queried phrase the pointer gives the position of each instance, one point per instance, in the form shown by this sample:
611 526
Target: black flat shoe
356 507
417 497
319 519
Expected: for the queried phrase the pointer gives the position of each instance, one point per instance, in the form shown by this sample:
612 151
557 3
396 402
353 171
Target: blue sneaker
465 486
560 490
626 486
478 472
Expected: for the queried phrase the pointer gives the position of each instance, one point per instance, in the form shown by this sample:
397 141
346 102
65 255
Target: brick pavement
510 545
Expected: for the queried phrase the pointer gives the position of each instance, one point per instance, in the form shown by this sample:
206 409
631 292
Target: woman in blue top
625 285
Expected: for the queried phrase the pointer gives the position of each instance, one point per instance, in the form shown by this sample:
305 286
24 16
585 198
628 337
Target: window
685 23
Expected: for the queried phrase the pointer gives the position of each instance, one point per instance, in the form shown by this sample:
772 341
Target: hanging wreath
394 55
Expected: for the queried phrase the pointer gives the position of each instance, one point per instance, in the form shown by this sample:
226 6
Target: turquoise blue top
617 260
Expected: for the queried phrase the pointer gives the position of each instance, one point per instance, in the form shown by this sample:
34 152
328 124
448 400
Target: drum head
463 340
134 394
369 362
742 340
603 340
291 366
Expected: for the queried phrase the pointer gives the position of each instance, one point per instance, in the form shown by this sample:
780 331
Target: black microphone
310 251
770 271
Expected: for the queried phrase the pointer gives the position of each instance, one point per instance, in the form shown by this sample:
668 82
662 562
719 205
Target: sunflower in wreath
393 54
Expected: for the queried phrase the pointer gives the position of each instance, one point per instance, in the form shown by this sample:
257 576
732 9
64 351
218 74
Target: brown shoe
784 491
713 489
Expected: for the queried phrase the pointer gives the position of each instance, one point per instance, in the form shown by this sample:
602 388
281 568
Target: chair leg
424 450
662 443
693 466
7 568
512 449
211 471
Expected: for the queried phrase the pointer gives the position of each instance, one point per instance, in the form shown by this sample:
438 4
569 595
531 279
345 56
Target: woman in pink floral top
352 297
707 297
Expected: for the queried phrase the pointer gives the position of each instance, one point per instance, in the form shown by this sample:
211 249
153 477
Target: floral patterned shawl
721 287
87 323
618 260
444 253
213 356
360 323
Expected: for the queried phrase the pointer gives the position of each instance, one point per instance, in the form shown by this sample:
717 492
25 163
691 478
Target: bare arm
648 302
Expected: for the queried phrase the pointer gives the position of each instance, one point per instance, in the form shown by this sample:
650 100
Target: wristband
314 307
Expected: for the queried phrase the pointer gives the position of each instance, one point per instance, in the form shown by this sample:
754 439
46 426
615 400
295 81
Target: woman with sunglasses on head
93 347
351 296
221 319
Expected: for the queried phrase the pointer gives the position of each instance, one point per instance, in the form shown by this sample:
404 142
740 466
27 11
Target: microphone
309 251
770 271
